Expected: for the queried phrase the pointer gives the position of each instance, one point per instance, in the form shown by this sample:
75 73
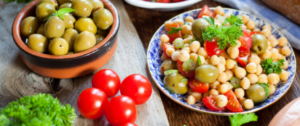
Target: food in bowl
76 26
237 66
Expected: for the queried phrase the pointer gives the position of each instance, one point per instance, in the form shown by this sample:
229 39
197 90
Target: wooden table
148 21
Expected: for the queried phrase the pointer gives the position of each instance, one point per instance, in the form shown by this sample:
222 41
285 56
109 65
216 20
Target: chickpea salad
222 60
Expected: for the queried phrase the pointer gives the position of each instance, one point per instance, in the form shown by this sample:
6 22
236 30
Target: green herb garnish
60 13
183 80
185 36
170 72
210 20
174 30
165 86
199 62
233 20
272 67
239 119
266 87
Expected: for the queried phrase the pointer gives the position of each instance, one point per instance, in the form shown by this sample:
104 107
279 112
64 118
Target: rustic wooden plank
130 57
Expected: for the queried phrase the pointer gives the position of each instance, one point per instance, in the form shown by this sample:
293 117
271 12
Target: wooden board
16 80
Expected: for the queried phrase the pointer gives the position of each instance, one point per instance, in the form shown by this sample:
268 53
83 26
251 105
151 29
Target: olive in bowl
66 66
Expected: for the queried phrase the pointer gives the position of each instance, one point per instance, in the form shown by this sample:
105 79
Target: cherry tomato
212 48
198 86
254 32
163 1
183 72
120 109
136 87
243 60
107 81
91 103
233 104
210 103
243 52
246 40
205 11
128 124
165 46
174 35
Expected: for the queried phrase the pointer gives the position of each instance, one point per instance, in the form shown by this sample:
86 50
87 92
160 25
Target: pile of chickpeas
226 64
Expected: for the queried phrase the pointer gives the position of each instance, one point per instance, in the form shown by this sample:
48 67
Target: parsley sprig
60 13
174 30
239 119
272 67
266 87
224 35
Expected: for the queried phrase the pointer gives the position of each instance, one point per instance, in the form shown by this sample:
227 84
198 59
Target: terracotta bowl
67 66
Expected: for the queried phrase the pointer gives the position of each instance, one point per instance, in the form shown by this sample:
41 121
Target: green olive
257 93
85 24
175 83
167 65
37 42
70 36
197 27
96 4
47 1
29 26
65 5
99 38
83 7
69 20
64 1
103 18
207 73
54 27
259 43
44 10
40 30
84 41
58 46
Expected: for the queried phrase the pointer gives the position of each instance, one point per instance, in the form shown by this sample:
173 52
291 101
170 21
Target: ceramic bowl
67 66
153 60
162 6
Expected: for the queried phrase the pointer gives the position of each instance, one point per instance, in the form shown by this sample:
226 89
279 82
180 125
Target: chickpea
195 45
233 52
266 32
269 46
227 15
163 57
239 93
263 78
201 58
217 22
180 22
206 61
229 74
230 63
213 92
275 54
256 30
164 38
221 101
225 55
175 55
189 19
238 43
250 25
240 72
186 45
259 70
223 88
222 77
183 56
186 29
188 39
168 25
221 68
245 19
284 76
248 104
285 65
241 100
286 51
194 57
214 85
191 100
273 78
214 60
169 51
245 83
219 10
222 60
254 59
197 96
267 26
267 54
202 52
243 26
282 41
251 67
272 89
229 85
274 42
253 78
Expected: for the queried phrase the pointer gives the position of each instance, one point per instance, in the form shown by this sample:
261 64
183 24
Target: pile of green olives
47 32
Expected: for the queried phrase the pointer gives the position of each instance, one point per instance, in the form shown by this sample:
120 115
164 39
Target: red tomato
243 52
212 48
163 1
233 104
246 40
165 46
174 35
184 72
198 86
253 33
91 103
120 109
243 60
205 11
210 103
128 124
107 81
136 87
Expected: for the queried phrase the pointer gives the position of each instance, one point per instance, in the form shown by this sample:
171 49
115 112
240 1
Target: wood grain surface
148 21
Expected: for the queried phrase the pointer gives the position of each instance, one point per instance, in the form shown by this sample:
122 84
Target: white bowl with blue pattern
153 60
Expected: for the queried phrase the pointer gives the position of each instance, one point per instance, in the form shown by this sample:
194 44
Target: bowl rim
19 42
216 112
151 5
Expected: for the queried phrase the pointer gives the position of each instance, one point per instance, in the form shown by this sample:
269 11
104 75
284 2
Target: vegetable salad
222 60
